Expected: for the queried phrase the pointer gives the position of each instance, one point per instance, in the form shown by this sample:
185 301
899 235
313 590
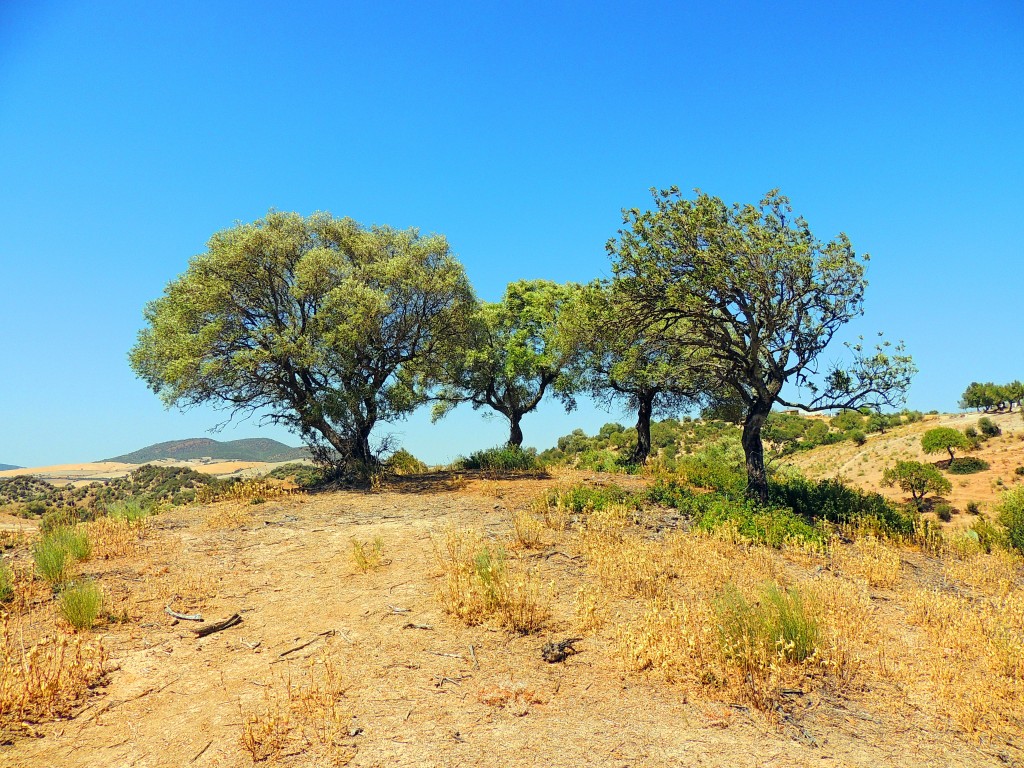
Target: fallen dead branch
218 626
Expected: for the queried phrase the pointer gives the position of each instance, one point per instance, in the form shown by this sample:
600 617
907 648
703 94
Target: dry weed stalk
868 558
527 528
253 491
368 555
46 678
117 537
306 716
477 584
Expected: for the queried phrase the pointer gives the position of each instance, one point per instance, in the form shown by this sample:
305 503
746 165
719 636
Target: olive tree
620 362
917 479
762 297
513 355
321 324
946 439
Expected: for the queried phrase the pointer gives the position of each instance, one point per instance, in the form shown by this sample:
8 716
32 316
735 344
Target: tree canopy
320 323
513 355
617 361
942 439
762 297
917 479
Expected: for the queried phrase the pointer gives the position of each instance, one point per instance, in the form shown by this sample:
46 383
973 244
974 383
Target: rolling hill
251 449
5 467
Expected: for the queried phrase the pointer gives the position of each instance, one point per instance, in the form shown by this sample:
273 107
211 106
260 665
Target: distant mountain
5 467
252 449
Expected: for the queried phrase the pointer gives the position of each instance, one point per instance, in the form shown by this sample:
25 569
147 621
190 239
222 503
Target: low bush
989 536
967 465
587 498
303 475
772 525
1019 471
128 510
837 502
368 555
944 512
778 626
6 583
858 437
1010 514
506 458
52 560
80 604
401 462
988 427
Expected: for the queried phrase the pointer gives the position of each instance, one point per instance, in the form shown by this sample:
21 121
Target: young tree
762 297
917 479
325 325
513 355
942 439
617 362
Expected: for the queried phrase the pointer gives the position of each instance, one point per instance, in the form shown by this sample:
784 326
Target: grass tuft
81 603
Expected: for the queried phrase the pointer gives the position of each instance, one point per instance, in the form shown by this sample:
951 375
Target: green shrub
837 502
303 475
52 559
971 432
989 536
34 508
1010 514
973 508
129 510
988 427
505 458
80 604
772 525
967 465
6 583
779 625
944 512
587 498
1019 471
58 518
74 540
401 462
858 437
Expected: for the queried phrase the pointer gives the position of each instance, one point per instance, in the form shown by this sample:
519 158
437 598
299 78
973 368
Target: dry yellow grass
46 678
307 717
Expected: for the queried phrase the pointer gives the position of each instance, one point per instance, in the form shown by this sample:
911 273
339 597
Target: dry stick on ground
328 633
217 626
183 616
410 625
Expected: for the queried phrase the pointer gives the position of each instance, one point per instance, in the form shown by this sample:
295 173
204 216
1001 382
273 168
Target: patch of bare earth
334 663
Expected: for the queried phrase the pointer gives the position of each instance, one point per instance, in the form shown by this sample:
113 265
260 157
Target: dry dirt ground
419 687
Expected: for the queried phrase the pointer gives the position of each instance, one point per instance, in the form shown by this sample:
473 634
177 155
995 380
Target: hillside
862 465
251 449
5 467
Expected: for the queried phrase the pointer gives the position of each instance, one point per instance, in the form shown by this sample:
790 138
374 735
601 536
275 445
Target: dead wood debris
553 652
218 626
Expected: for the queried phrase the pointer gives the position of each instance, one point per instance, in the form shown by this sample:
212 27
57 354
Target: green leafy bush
837 502
1010 514
504 458
52 560
988 427
770 525
990 536
80 604
973 508
129 510
858 437
584 498
6 583
944 512
967 465
303 475
401 462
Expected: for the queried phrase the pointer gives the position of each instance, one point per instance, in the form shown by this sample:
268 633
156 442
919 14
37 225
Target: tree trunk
643 427
753 451
951 456
515 436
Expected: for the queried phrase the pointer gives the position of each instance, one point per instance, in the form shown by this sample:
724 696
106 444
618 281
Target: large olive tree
322 324
762 297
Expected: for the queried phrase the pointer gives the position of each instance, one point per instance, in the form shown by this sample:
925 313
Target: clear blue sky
129 132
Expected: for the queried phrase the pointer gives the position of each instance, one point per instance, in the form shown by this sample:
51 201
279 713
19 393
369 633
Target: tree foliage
989 397
320 323
917 479
617 361
762 297
513 355
941 439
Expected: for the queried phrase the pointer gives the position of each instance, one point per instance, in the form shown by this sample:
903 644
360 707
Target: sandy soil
419 697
